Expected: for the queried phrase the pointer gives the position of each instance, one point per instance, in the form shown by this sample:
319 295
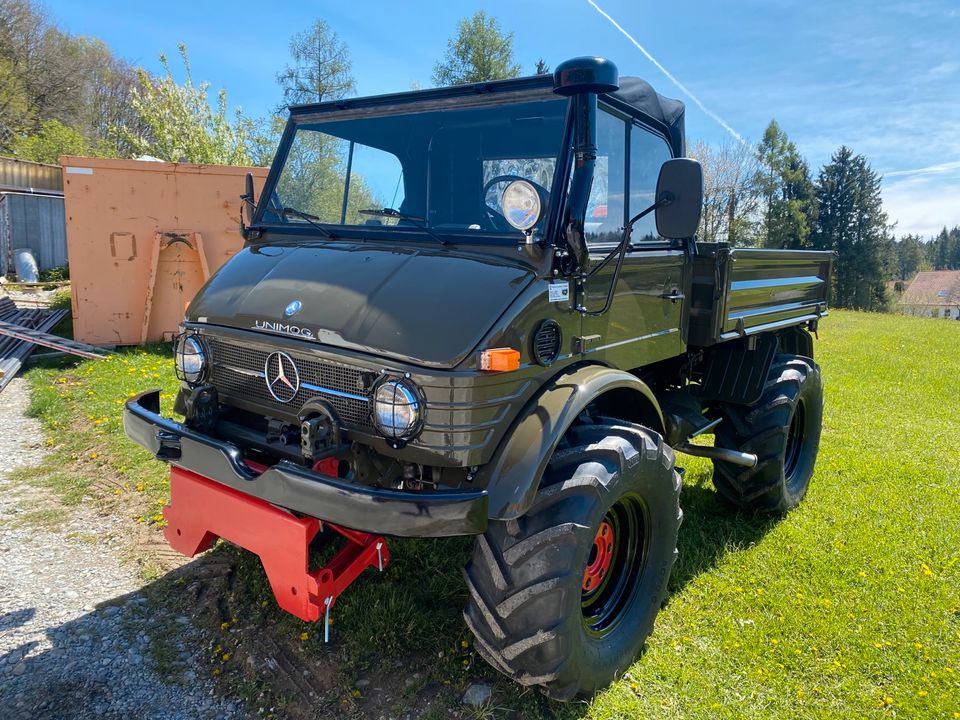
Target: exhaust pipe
714 453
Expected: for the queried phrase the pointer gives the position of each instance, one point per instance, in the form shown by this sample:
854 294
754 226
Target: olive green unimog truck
483 310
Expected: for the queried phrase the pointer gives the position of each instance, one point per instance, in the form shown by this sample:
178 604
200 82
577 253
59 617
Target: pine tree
784 179
945 250
851 222
911 257
320 67
479 52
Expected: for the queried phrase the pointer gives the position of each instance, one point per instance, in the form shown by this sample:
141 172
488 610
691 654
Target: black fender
513 474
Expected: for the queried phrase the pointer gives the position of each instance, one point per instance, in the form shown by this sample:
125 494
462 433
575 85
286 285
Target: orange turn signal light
500 360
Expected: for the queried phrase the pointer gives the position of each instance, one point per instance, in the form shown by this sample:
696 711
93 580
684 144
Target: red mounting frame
202 510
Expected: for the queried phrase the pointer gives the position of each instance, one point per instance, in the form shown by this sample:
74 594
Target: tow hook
169 445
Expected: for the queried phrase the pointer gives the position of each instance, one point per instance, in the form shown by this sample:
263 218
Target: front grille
238 372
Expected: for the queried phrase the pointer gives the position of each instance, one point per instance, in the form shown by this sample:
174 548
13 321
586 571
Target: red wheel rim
600 557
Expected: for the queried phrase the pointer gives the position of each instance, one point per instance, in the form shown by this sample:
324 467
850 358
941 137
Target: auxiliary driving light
396 410
191 359
520 205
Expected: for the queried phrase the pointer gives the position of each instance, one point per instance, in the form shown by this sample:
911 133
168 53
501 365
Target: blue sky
882 76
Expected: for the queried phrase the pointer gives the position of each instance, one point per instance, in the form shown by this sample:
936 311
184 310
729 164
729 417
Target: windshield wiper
308 217
418 221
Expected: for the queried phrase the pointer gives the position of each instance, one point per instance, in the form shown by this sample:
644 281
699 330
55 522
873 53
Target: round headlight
396 410
520 204
191 360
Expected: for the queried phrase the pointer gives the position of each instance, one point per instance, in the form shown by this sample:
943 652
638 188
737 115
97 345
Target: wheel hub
601 556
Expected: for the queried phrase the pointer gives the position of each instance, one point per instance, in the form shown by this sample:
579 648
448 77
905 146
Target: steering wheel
495 216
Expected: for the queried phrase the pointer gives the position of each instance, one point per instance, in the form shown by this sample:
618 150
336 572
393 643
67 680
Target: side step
202 510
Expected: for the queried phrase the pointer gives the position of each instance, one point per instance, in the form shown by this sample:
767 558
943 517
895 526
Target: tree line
65 94
62 94
765 195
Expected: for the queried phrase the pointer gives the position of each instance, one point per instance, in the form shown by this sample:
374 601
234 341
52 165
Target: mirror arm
622 250
619 252
665 199
247 199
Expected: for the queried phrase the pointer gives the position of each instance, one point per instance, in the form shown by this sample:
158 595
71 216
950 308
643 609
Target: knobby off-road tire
565 596
783 429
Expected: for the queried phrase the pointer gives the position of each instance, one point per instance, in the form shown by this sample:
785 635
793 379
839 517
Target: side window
605 209
647 153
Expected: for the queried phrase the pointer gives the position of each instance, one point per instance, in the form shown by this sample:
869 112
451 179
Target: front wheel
565 596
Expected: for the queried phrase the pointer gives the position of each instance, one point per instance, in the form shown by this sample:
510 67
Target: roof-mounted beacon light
581 79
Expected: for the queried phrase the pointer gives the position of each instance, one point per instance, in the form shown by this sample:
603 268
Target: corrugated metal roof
22 174
934 287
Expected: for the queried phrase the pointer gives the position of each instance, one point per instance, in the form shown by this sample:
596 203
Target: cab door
645 321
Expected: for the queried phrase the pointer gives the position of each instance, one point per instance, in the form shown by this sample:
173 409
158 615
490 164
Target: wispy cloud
922 204
683 88
938 169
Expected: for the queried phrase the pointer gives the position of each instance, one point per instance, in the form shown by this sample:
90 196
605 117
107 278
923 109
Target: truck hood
427 307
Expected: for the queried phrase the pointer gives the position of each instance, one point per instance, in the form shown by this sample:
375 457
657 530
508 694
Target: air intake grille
238 372
546 342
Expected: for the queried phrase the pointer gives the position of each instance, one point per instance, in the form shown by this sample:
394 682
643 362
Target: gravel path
74 640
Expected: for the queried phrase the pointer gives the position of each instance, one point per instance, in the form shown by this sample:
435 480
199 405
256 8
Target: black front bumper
440 513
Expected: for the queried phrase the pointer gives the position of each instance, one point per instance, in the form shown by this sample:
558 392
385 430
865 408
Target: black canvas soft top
635 93
669 113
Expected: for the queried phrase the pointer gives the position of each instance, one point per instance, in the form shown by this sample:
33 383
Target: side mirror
680 191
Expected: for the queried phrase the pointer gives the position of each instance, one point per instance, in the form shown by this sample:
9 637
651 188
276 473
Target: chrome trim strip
659 333
331 391
242 371
805 280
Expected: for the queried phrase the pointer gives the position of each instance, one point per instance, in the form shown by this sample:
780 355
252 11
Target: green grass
80 406
849 607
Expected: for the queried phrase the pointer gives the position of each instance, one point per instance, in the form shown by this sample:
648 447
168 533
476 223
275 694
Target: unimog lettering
519 333
282 328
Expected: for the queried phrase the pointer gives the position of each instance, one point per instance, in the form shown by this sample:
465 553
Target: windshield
443 170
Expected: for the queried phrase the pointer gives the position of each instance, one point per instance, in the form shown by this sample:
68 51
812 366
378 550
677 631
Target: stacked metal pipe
13 351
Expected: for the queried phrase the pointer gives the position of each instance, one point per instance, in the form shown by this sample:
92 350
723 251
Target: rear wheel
783 429
565 596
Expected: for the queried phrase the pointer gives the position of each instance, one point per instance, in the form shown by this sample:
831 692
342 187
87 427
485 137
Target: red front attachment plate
202 510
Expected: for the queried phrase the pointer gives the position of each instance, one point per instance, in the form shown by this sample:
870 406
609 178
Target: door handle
673 296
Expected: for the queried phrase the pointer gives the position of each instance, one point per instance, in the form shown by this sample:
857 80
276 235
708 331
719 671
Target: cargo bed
736 292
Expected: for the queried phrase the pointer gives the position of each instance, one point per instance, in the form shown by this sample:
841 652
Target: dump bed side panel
744 291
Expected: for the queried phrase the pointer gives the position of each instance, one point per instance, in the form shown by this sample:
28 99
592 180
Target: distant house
933 294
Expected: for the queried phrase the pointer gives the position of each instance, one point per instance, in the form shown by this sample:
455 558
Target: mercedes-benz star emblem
293 308
282 377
